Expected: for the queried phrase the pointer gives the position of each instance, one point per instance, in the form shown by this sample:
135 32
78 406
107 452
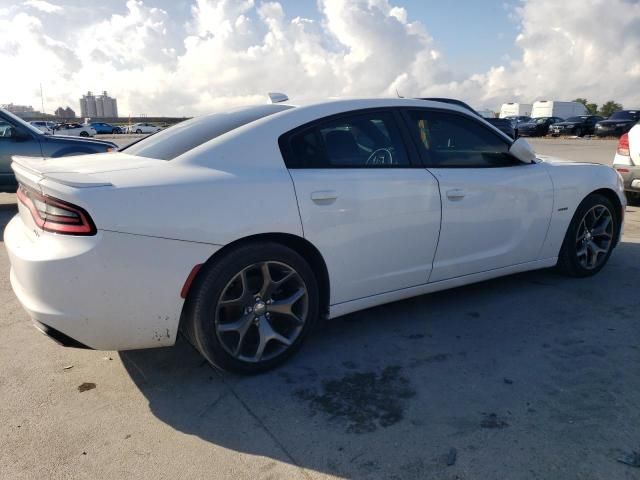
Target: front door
15 139
495 209
372 212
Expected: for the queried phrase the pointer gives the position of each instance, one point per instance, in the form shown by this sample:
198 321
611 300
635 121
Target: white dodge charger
242 229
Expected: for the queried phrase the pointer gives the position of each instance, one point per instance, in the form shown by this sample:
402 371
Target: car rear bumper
630 173
111 291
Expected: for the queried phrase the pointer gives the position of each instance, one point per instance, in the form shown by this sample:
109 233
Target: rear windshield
624 116
178 139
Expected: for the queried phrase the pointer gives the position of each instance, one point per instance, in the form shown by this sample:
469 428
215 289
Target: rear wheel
84 134
579 132
590 237
138 131
251 309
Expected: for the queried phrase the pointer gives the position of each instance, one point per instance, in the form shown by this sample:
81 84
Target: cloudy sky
184 57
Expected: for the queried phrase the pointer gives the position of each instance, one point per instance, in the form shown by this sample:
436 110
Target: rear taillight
623 145
55 215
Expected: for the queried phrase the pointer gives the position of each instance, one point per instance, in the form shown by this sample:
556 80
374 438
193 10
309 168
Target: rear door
495 209
365 202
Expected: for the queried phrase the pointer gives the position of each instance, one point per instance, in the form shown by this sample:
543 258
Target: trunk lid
54 176
81 171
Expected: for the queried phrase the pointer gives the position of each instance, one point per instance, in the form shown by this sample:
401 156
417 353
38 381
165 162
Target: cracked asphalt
532 376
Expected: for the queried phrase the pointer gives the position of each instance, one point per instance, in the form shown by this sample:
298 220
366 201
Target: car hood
528 125
562 162
567 124
67 139
613 122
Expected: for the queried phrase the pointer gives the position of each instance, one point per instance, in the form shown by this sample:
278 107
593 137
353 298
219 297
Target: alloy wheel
262 311
594 237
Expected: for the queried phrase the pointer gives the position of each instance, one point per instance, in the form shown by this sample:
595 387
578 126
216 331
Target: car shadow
525 368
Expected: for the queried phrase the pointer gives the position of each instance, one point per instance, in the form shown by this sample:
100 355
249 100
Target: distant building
100 106
17 108
65 113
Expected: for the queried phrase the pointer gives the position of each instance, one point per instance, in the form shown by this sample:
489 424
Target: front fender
572 183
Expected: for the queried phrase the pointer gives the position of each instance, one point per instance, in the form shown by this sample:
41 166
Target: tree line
606 110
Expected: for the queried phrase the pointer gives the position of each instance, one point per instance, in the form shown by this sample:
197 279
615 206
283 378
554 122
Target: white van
487 113
550 108
515 110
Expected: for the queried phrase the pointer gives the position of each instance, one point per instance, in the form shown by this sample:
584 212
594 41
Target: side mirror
522 150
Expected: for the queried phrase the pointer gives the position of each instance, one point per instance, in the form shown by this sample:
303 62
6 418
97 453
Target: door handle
324 196
455 194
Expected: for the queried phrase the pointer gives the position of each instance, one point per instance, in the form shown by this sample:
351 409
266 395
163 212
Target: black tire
579 132
84 134
200 317
569 260
114 131
633 198
138 131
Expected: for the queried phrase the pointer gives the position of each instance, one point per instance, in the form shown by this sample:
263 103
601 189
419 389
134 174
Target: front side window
451 140
365 140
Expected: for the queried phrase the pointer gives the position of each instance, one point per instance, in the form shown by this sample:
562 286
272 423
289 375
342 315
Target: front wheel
84 134
590 237
138 131
251 309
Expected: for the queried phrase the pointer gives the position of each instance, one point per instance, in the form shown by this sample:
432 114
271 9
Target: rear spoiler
28 173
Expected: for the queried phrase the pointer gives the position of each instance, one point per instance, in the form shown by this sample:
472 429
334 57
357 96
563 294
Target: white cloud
234 51
43 6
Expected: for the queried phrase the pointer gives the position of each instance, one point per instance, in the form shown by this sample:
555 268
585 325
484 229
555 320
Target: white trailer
551 108
512 109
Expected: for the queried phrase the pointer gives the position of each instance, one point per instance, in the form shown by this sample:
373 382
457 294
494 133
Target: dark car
537 127
101 127
578 126
17 137
505 126
617 124
516 120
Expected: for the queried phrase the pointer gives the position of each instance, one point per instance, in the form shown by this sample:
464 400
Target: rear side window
363 140
450 140
182 137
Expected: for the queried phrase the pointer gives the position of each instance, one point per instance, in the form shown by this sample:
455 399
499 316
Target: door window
366 140
7 130
451 140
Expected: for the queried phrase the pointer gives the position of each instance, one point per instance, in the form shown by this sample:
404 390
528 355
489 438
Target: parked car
143 128
44 127
627 162
105 128
578 126
18 137
244 243
550 108
513 109
618 123
516 121
537 127
75 130
501 124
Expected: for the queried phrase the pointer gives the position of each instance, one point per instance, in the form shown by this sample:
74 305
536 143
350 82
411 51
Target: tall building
17 108
100 106
65 113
